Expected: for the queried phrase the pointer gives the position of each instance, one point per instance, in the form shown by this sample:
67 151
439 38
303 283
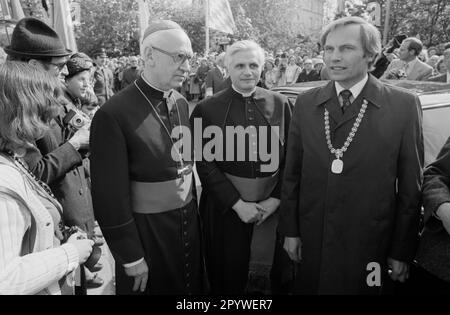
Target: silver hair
244 45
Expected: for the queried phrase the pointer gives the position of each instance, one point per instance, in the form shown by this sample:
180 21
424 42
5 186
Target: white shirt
355 89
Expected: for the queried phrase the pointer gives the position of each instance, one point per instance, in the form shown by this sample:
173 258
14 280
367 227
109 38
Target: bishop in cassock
143 197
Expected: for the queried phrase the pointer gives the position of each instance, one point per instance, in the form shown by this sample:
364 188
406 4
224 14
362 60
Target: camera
76 119
396 43
96 254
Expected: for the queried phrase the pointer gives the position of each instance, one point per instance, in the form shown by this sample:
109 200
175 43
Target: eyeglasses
60 65
177 57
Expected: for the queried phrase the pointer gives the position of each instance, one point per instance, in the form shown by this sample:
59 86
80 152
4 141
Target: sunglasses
177 57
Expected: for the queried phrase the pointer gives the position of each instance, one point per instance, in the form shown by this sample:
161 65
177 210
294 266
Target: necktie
345 94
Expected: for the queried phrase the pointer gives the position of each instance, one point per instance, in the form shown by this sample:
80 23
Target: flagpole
207 26
387 22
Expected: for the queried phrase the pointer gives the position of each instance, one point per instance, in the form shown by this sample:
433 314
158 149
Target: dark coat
434 250
349 220
56 162
129 76
103 84
307 77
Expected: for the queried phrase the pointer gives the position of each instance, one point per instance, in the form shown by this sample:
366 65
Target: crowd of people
98 149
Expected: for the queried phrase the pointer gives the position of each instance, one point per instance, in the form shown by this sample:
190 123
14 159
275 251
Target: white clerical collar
355 89
244 94
167 94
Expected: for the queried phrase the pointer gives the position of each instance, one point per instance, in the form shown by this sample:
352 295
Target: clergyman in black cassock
229 183
143 197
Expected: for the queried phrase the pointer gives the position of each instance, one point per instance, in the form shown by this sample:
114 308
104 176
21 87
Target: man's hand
80 139
140 275
443 212
270 206
248 212
293 246
399 270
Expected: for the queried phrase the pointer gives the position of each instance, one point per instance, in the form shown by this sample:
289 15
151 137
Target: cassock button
188 275
186 244
187 265
185 222
251 118
185 233
188 285
81 192
186 255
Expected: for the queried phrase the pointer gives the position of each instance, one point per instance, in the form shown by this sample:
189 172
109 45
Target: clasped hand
251 212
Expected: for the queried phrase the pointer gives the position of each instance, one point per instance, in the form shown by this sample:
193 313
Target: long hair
28 101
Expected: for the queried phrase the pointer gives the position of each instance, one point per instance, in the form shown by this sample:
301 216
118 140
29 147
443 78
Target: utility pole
387 22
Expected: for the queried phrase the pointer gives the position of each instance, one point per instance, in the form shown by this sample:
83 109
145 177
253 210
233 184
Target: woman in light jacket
32 259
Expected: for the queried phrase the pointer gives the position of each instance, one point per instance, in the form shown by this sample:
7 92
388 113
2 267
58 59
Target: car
435 101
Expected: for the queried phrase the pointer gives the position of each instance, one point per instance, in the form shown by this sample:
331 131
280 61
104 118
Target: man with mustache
144 199
351 194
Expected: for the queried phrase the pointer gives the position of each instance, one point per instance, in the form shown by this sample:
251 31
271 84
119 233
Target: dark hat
160 25
100 53
77 63
35 39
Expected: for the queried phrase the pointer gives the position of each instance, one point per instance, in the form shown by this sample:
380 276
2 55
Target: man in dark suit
215 79
240 188
445 78
351 193
103 77
433 256
143 195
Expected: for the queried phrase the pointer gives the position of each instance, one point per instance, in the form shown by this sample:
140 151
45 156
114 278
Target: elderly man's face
345 57
245 70
170 66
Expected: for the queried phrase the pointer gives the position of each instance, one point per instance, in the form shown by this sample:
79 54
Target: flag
220 16
144 17
16 10
62 23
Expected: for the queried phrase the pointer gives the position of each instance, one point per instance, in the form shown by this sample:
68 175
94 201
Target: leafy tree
427 19
111 24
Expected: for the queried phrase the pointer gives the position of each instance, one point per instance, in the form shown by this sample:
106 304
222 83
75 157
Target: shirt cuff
130 265
72 257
